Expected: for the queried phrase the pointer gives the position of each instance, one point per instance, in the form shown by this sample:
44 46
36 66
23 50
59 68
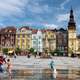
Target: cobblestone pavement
59 62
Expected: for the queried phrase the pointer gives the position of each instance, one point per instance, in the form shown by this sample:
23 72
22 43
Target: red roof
8 29
34 31
43 31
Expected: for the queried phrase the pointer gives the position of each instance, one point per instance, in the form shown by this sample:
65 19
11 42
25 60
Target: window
12 40
28 46
12 44
18 46
39 42
23 35
0 49
23 40
28 36
46 36
34 42
8 35
39 37
18 35
51 36
23 46
12 37
18 40
28 40
34 37
3 44
49 32
39 48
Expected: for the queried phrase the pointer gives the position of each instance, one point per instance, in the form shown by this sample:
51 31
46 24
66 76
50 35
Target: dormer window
10 31
23 30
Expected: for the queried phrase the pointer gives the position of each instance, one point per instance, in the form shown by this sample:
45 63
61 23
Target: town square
39 51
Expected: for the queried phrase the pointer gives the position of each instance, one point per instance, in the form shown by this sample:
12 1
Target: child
52 65
9 66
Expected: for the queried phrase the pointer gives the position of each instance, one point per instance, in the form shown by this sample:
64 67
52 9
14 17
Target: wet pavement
46 74
39 69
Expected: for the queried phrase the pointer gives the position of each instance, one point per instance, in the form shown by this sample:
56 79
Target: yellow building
23 38
49 40
72 39
78 45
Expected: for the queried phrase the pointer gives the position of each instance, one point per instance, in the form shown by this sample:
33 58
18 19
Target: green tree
5 51
57 52
17 50
31 50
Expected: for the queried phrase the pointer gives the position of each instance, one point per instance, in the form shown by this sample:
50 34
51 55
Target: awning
10 51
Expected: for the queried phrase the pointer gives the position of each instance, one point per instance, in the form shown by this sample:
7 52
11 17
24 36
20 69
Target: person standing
15 55
52 65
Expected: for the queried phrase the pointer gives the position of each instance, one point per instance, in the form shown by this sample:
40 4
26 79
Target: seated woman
2 60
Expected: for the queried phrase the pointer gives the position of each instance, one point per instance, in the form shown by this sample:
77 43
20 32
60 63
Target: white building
37 40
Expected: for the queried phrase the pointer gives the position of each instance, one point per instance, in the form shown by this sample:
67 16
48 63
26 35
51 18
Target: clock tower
71 34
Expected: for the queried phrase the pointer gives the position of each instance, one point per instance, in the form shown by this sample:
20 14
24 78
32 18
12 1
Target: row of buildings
65 40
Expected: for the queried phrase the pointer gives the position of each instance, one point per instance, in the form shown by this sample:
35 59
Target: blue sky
38 13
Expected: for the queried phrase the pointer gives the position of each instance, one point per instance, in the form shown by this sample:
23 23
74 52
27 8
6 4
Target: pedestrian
52 65
9 66
15 55
2 60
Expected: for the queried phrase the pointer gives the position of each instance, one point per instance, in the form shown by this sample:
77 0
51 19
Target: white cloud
16 8
63 17
11 7
64 3
50 26
37 8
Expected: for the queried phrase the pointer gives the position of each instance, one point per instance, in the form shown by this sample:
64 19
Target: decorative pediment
23 30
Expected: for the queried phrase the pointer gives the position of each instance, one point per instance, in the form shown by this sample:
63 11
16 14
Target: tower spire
71 19
71 16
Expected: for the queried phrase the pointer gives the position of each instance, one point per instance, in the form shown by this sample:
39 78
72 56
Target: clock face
72 35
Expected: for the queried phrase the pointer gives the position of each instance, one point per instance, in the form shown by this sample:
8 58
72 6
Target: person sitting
2 60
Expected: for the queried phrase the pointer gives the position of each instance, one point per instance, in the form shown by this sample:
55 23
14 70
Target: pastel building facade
62 41
78 45
7 38
37 42
49 40
23 38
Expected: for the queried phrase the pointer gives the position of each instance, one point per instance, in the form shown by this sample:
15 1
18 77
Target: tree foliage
5 51
31 50
57 52
17 50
